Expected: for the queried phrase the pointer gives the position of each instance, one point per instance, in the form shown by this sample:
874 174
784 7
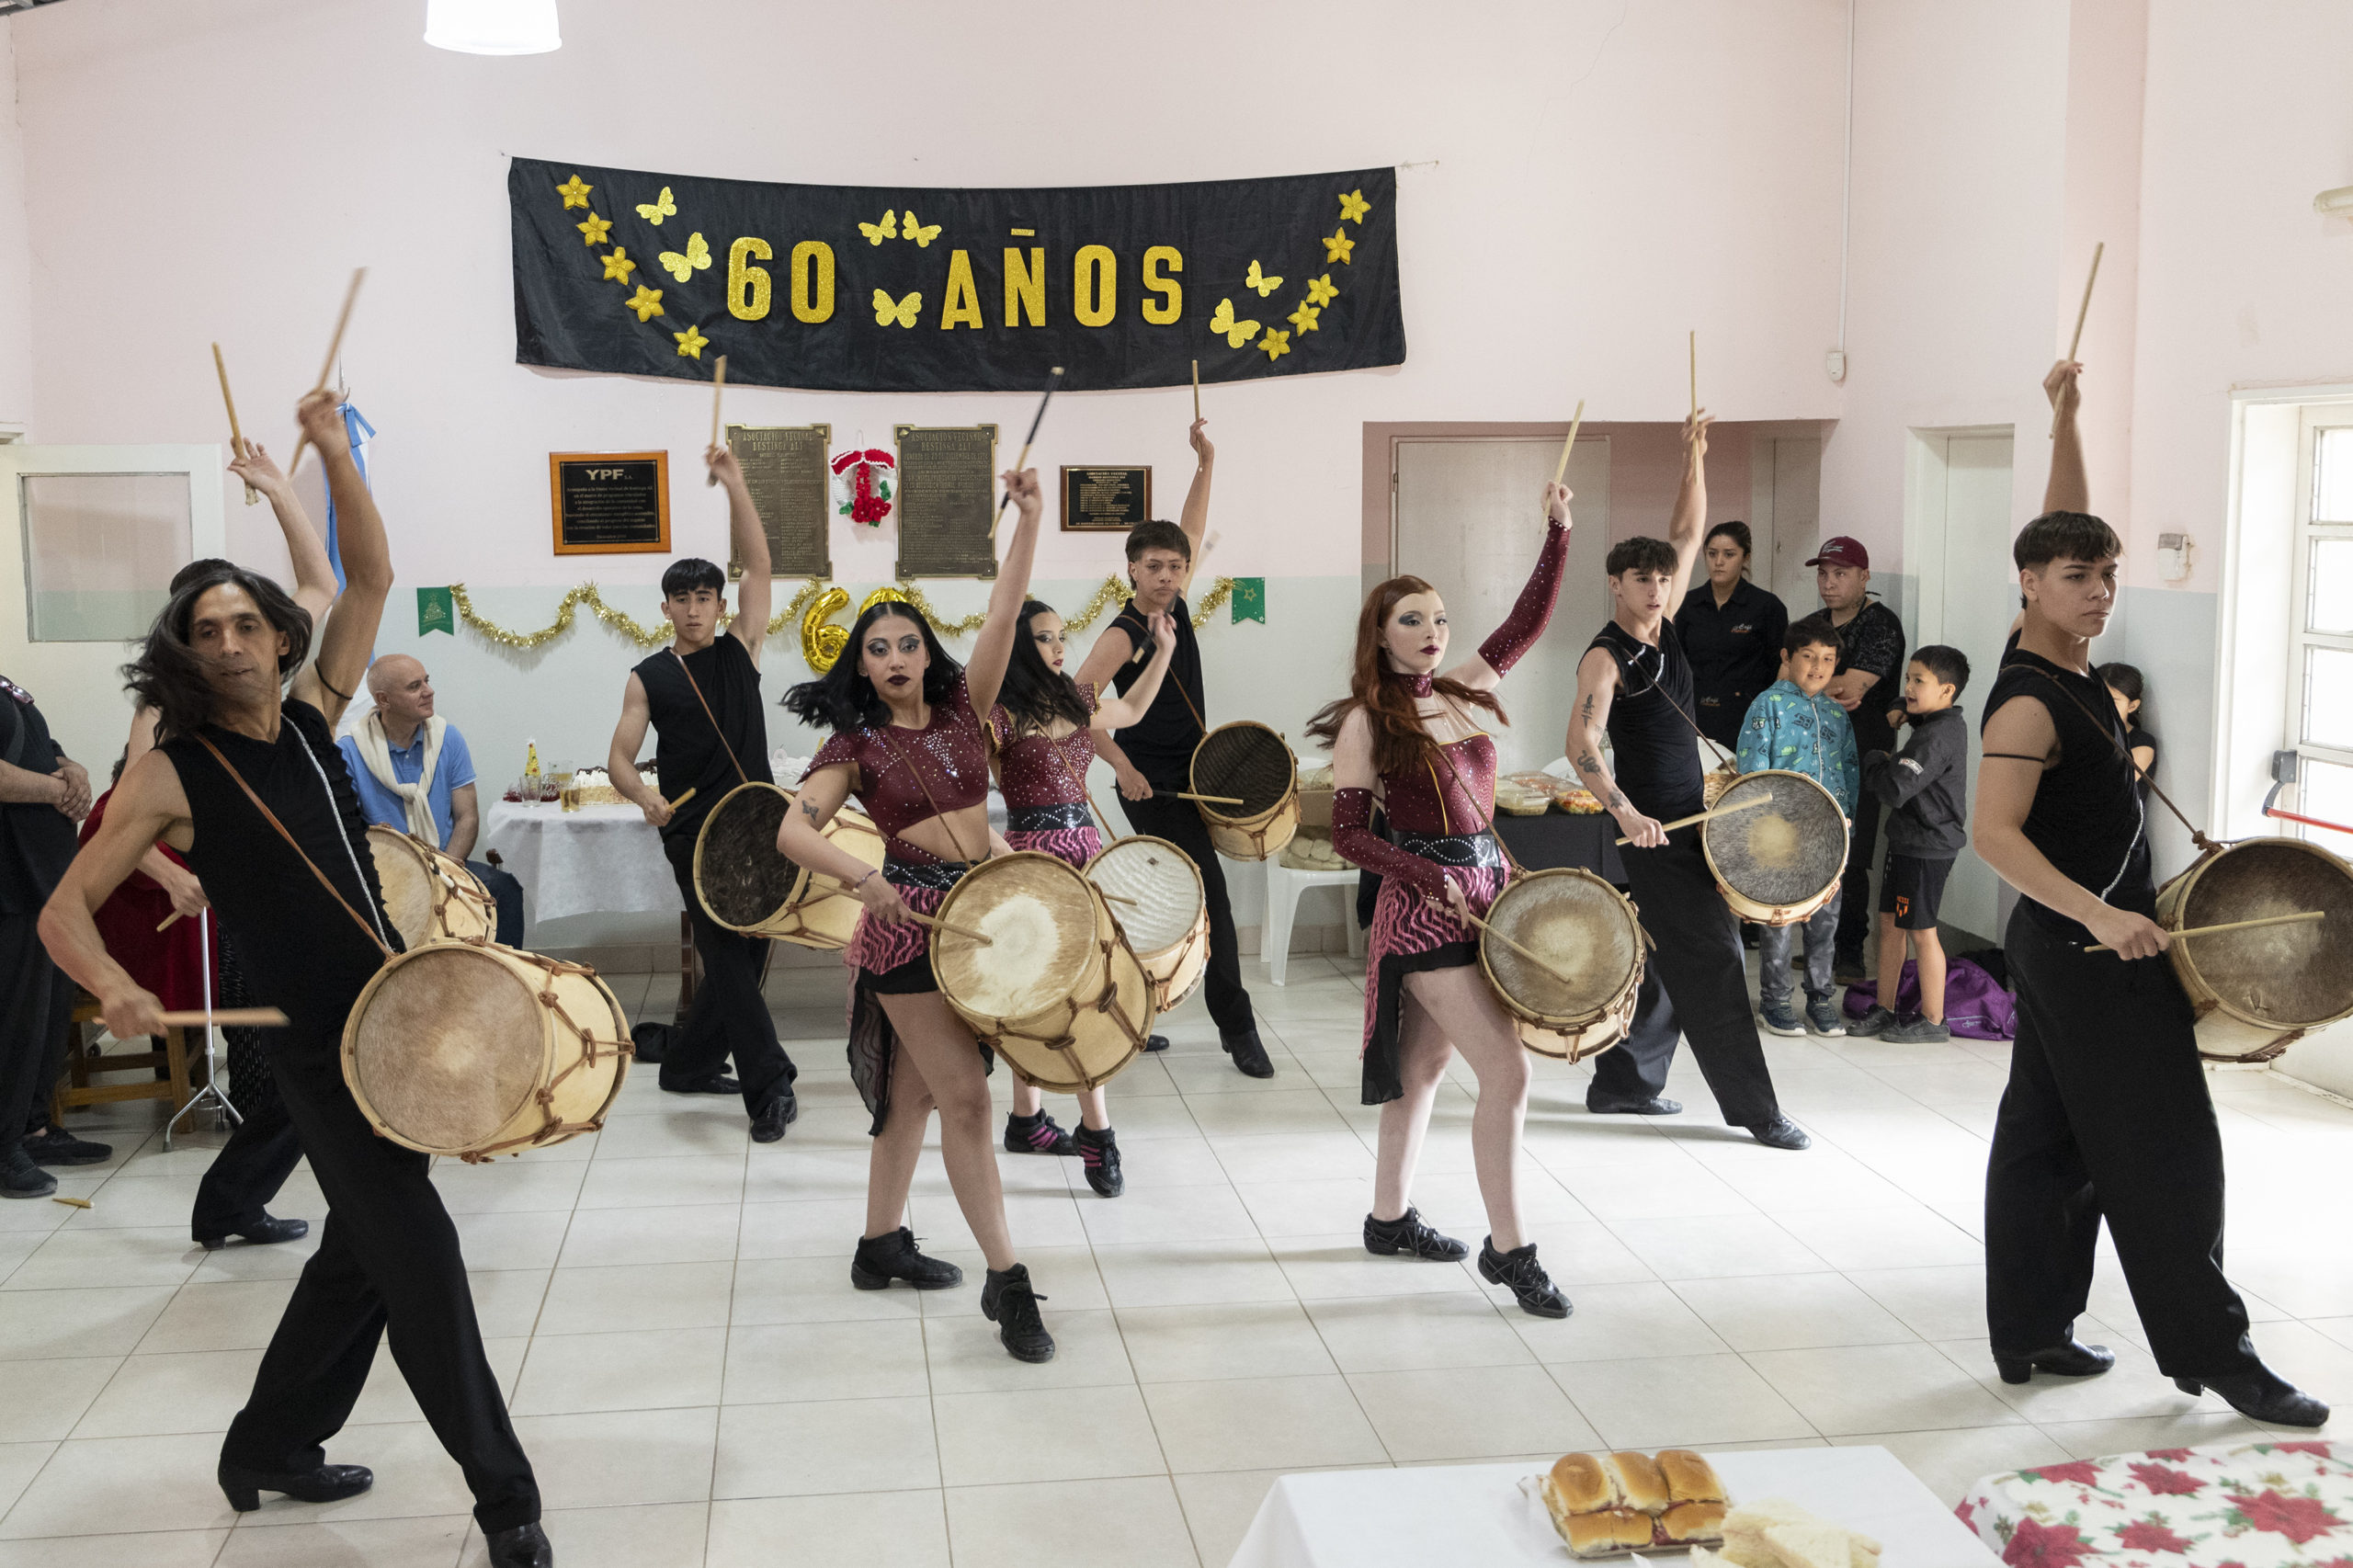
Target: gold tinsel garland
645 636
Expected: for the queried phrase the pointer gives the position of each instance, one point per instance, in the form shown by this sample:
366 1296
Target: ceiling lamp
492 27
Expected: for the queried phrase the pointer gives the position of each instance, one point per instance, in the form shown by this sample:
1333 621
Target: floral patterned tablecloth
2240 1506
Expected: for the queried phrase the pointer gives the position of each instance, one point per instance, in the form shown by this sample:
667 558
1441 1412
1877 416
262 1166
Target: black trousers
1856 910
263 1149
2107 1115
1164 816
388 1266
730 1014
1694 983
36 1001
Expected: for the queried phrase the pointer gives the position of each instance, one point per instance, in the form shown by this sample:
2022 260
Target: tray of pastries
1610 1505
1773 1532
1524 794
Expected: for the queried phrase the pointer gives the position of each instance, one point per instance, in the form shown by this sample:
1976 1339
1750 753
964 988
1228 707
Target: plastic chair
1284 885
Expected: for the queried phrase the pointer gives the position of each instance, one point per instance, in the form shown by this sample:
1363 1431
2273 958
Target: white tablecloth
1476 1514
597 860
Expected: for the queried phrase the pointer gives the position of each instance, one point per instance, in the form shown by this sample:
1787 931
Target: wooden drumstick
1116 897
1212 799
1560 469
919 919
1196 392
1537 958
2234 926
1761 797
236 438
1026 441
2081 312
718 389
335 346
227 1018
1695 372
683 798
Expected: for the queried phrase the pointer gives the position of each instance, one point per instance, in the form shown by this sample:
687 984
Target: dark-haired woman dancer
907 743
1402 731
1040 730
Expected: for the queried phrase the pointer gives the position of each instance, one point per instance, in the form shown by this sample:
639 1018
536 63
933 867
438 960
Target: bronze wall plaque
1110 499
947 500
611 503
784 468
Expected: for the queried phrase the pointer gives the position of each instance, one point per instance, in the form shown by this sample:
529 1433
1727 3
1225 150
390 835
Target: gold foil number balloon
821 641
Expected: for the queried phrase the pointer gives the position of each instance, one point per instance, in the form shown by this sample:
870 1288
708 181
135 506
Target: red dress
169 963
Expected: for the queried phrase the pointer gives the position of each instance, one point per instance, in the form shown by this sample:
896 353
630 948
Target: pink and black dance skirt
1066 832
1411 933
892 960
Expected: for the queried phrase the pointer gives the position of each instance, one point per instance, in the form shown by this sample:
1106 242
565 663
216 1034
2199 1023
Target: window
2320 707
100 549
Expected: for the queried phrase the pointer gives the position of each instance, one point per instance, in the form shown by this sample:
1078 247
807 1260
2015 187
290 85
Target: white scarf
376 751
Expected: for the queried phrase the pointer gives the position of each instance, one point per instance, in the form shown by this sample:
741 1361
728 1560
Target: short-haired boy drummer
1635 683
702 695
2107 1114
1153 759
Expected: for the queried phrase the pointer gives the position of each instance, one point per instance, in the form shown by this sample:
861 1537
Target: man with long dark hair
246 782
1153 758
702 695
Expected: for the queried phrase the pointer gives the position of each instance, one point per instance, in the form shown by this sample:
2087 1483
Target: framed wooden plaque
784 468
611 503
947 500
1105 500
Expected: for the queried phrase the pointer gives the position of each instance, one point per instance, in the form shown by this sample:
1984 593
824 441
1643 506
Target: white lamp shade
492 27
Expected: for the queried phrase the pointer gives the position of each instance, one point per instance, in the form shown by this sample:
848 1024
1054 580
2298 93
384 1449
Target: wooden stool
75 1089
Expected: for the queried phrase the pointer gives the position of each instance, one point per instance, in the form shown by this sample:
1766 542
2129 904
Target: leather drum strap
272 817
741 776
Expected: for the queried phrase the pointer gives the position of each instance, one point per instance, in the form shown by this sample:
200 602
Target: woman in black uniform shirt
1731 633
2124 684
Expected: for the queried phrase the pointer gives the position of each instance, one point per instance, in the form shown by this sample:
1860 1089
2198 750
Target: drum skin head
1163 884
739 871
451 1046
1781 854
1580 925
1247 760
408 887
1039 914
2297 976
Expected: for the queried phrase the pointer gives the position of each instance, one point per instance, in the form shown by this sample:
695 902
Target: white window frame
2307 531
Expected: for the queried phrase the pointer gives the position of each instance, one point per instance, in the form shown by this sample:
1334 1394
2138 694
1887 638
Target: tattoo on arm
1586 711
809 807
1618 801
1588 763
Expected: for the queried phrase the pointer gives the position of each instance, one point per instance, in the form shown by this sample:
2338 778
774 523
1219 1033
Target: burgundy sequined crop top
1035 771
948 754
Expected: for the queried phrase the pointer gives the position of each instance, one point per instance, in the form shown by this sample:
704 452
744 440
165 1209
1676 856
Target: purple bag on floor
1975 1008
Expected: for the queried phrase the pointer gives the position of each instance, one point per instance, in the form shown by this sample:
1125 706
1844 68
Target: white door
1965 594
1470 522
89 540
1785 504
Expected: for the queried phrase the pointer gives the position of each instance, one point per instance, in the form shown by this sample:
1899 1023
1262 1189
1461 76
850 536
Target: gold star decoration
647 303
595 229
690 342
617 266
1353 206
575 194
1336 246
1320 292
1305 317
1276 344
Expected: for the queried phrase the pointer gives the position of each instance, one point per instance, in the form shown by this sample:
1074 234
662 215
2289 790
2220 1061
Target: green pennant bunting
1249 600
435 612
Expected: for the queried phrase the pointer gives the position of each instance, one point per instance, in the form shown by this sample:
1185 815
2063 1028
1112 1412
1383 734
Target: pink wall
16 257
209 171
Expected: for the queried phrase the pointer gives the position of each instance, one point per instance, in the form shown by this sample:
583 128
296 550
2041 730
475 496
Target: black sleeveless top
686 749
1655 754
2086 817
299 950
1161 742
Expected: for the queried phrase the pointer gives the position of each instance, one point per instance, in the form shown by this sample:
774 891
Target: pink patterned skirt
892 960
1411 933
1076 845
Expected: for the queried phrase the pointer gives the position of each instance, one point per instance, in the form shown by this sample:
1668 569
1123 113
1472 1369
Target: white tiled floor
696 1383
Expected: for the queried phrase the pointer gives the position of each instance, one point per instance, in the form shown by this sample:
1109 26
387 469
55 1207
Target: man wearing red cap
1869 681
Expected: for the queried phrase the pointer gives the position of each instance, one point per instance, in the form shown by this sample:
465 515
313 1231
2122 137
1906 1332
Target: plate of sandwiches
1609 1504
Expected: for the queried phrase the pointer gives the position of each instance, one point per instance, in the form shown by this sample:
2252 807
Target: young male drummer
701 694
246 782
1635 683
2107 1114
1155 758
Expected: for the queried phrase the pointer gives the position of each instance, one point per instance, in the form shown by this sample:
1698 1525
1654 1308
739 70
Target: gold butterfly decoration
886 230
661 207
1261 282
1237 333
683 267
902 312
922 236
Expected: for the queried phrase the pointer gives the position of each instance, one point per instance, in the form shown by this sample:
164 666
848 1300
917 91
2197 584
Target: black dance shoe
881 1259
52 1145
1530 1286
1008 1301
1101 1152
2262 1395
1039 1134
1249 1056
525 1546
1386 1238
1781 1133
1630 1104
261 1233
19 1177
716 1083
329 1484
2073 1359
780 1113
1156 1042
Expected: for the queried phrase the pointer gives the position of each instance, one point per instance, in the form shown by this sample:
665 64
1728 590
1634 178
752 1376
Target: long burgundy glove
1353 836
1533 611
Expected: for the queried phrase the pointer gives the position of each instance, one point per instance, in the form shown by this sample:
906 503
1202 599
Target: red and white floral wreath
862 484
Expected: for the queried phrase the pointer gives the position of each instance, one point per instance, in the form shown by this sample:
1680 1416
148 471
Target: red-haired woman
1405 732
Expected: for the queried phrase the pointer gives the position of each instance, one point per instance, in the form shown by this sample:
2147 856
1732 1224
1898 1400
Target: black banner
904 289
